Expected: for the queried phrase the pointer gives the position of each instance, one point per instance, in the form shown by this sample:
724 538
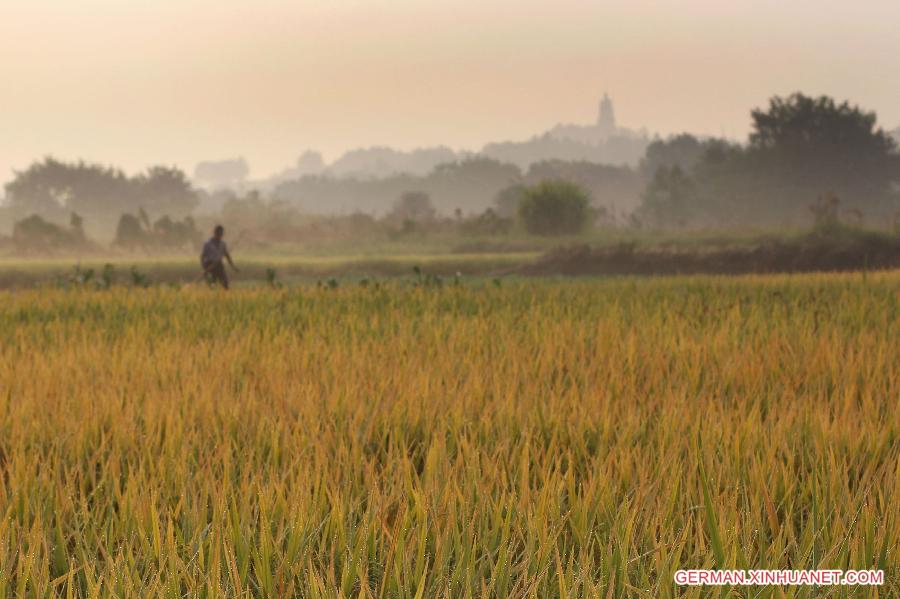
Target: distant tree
381 162
251 201
130 233
615 187
250 211
165 191
176 234
617 149
668 200
222 173
800 148
309 163
807 146
825 213
470 185
135 232
144 217
76 224
413 206
802 124
506 202
7 219
34 234
487 223
477 169
555 207
684 151
54 189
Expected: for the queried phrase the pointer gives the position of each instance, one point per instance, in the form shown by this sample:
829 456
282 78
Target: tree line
805 156
802 152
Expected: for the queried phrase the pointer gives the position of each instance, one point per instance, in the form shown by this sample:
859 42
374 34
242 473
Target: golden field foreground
532 438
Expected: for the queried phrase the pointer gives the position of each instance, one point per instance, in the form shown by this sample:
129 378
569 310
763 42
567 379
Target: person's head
219 232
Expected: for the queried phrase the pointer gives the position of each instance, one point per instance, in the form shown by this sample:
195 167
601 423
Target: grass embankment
833 251
530 439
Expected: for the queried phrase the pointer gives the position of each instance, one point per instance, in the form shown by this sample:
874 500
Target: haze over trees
36 235
470 186
54 190
804 153
412 207
800 148
683 151
135 232
603 141
222 173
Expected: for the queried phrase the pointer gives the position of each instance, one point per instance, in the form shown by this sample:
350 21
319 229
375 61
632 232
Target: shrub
413 206
668 198
136 232
486 223
176 234
34 234
506 202
130 233
825 214
554 207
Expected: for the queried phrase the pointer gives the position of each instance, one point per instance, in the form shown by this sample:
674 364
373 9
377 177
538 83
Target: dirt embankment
812 253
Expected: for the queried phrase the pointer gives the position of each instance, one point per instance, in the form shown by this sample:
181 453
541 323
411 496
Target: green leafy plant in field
428 281
272 279
82 276
107 277
139 279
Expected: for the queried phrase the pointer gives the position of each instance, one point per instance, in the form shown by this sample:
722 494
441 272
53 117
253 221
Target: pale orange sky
141 82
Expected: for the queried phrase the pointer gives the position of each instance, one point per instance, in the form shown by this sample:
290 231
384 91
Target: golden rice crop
536 438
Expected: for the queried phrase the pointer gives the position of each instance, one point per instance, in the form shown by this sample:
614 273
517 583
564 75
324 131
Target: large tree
164 191
413 206
683 150
667 202
54 190
555 207
802 147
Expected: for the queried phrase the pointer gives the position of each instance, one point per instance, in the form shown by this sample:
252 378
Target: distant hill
470 186
377 162
601 142
618 150
384 161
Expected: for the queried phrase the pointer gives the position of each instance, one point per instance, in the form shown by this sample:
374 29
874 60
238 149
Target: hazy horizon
164 82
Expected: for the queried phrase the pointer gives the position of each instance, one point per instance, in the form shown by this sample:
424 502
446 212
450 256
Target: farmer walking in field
214 252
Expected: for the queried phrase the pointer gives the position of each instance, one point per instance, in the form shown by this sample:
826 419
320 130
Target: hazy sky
138 82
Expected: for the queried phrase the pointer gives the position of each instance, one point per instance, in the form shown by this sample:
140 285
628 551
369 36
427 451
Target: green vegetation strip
28 273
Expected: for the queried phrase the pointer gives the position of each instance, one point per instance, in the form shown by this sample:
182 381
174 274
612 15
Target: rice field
530 438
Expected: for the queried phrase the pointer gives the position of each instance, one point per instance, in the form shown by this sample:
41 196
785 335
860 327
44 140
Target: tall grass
534 439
